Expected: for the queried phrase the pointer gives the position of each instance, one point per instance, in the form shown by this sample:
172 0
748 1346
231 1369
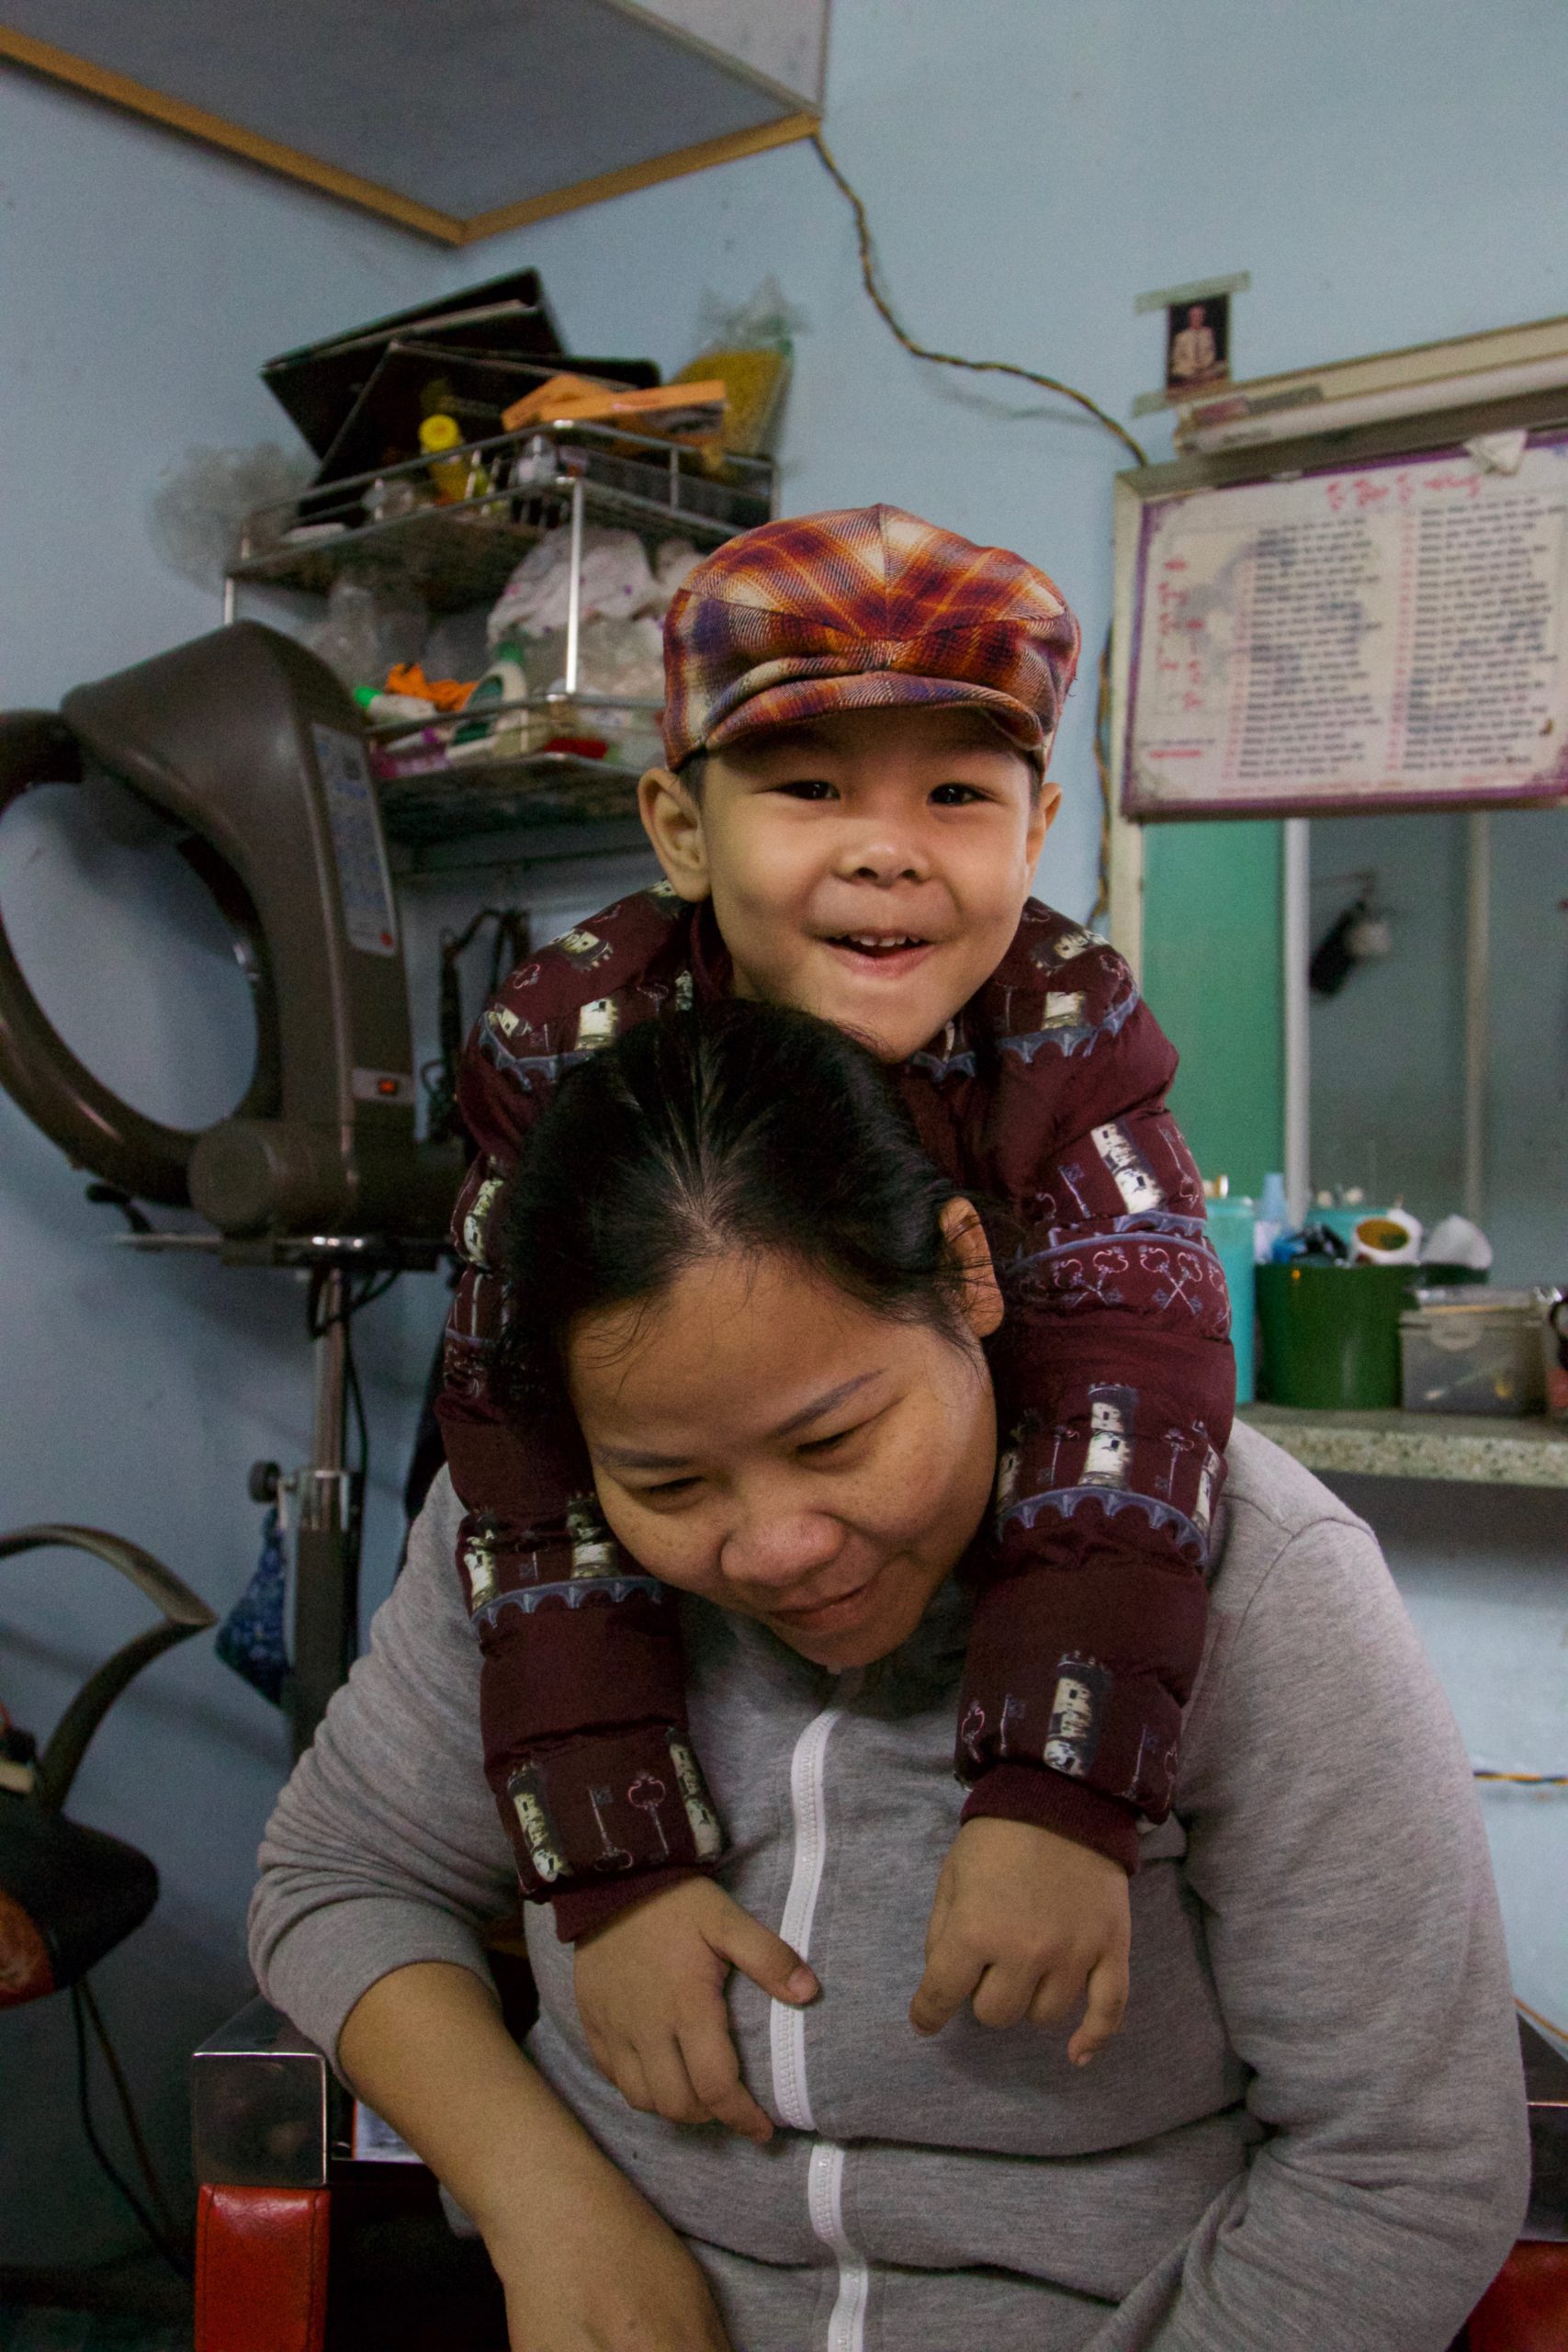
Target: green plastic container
1331 1333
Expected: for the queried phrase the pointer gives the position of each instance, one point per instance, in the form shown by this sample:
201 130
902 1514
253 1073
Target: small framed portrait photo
1197 345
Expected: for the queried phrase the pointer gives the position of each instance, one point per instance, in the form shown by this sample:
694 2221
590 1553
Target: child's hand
1023 1921
650 1994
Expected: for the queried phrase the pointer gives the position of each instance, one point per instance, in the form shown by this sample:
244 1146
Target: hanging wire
128 2111
508 948
1102 769
357 1295
81 2007
871 274
356 1395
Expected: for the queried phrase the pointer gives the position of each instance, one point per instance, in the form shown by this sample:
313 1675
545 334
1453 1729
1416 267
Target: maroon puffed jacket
1115 1389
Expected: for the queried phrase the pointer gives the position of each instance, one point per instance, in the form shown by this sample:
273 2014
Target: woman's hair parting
738 1127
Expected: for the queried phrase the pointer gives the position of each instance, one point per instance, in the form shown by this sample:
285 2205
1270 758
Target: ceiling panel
514 103
785 39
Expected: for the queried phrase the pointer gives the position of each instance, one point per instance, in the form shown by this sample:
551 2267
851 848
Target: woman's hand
588 2266
649 1992
587 2262
1023 1925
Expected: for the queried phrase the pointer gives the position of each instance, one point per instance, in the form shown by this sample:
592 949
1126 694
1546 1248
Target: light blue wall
1387 170
1387 177
141 281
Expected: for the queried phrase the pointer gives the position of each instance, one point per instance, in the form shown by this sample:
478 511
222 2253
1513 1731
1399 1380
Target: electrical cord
357 1295
82 2007
1102 769
128 2111
508 948
870 270
356 1395
871 275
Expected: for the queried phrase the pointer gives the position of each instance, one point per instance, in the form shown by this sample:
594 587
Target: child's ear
673 823
970 1253
1042 817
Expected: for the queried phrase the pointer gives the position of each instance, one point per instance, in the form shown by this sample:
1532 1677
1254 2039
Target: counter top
1477 1449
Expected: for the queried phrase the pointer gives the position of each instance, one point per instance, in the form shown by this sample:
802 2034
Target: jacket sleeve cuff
1050 1800
583 1908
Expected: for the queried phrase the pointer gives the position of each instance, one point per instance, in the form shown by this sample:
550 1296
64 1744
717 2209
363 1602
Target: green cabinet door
1213 974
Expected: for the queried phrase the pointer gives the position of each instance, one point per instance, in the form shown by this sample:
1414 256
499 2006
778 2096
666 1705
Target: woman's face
762 1438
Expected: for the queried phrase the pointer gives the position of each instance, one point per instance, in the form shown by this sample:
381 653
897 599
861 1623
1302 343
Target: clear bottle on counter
1274 1217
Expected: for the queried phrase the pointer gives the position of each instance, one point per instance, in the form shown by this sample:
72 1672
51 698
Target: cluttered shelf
427 809
549 735
1476 1449
461 549
484 507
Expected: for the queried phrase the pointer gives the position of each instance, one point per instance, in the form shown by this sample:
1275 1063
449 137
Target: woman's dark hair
739 1126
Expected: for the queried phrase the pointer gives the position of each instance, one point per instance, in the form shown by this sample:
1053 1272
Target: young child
859 709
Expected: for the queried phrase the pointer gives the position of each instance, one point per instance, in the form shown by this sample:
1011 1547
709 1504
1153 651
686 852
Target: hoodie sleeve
581 1693
1393 2172
1116 1386
384 1848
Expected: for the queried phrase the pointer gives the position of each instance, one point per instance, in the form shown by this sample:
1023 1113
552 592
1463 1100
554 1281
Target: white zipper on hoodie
809 1809
824 2175
825 2190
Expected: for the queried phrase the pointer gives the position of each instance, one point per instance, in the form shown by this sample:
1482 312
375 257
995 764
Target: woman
771 1321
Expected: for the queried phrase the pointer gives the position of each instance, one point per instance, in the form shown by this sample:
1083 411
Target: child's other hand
1023 1924
650 1994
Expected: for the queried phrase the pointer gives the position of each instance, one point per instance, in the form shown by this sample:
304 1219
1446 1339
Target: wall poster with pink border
1389 634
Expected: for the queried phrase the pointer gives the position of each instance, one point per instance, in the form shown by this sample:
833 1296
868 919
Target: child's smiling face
870 866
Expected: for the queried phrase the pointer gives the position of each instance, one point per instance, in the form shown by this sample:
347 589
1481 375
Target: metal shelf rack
382 527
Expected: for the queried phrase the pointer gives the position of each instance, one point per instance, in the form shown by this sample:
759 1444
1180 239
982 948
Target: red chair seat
1525 2307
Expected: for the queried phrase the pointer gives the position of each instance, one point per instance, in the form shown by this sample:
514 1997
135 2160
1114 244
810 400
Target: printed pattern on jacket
1044 1096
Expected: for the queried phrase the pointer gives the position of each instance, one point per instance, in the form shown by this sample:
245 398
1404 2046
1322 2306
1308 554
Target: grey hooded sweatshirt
1310 2134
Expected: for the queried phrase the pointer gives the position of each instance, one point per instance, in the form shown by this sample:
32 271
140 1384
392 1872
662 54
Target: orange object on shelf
683 409
447 693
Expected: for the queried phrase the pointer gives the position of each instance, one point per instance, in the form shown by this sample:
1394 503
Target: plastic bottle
1233 1222
1273 1218
381 708
454 477
535 462
477 737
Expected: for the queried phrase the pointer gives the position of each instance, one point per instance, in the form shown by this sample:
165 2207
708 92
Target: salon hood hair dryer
246 749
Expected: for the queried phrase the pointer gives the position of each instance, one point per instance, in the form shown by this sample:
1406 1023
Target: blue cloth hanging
251 1638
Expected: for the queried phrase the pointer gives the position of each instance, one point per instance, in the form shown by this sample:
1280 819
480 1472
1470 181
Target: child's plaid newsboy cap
856 609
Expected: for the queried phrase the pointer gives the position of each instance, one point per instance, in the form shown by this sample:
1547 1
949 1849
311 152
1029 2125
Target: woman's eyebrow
827 1403
626 1457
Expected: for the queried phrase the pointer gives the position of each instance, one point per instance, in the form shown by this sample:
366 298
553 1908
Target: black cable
154 2236
358 1296
373 1286
1102 769
128 2111
356 1395
870 277
509 943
